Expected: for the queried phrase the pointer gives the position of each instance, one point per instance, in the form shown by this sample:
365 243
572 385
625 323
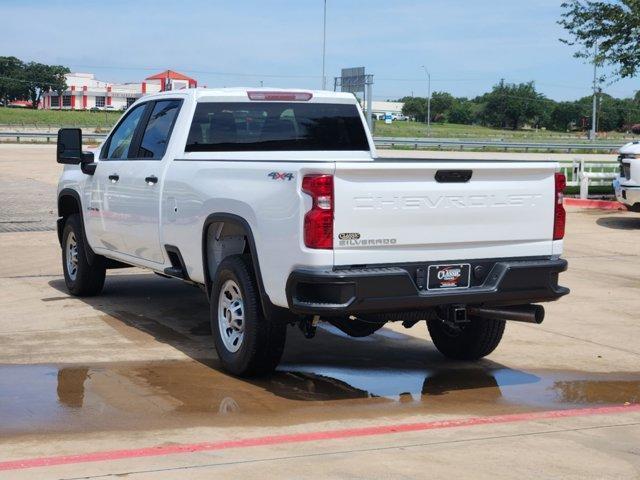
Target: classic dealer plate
449 276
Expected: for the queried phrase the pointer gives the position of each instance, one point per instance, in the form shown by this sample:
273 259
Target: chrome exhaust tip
520 313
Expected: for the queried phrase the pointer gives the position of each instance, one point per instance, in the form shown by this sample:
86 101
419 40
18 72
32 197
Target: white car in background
400 117
627 185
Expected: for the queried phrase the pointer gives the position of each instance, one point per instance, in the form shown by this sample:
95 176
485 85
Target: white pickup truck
627 185
274 202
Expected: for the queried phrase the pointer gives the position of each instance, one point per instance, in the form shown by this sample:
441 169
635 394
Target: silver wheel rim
71 256
231 316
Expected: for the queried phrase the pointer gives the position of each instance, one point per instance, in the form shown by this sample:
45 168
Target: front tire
248 344
82 278
472 341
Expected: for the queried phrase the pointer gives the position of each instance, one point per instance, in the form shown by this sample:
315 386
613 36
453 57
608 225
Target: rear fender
235 226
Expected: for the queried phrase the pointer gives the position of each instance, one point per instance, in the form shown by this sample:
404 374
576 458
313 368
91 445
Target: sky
467 46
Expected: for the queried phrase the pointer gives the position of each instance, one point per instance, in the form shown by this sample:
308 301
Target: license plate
449 276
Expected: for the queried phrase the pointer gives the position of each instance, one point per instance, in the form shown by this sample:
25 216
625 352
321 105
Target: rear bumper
394 288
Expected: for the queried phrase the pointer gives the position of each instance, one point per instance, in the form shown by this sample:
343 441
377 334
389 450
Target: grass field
53 119
25 117
448 130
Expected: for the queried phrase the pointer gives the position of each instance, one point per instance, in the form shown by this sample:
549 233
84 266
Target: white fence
586 173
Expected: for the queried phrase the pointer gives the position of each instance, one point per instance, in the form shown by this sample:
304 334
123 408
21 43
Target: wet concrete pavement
332 376
135 367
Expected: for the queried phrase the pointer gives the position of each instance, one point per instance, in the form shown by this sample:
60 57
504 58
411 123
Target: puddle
331 378
129 396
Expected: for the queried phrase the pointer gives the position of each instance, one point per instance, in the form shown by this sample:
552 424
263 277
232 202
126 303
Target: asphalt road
128 383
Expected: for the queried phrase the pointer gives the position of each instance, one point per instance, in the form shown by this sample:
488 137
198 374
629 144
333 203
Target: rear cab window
158 129
276 126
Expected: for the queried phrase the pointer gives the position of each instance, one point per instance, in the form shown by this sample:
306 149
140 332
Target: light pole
428 100
324 44
595 94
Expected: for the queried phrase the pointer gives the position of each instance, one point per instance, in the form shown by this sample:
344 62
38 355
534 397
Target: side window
158 129
123 135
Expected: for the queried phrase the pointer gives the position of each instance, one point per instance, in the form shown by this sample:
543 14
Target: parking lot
128 382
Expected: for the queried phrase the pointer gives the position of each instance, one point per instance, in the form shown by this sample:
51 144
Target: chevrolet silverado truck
627 184
275 203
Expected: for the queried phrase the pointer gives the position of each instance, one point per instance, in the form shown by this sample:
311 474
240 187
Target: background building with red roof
170 80
85 92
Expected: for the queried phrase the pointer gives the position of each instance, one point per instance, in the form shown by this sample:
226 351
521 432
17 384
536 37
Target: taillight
318 222
559 215
280 96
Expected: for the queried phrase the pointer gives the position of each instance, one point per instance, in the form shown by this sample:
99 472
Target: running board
175 272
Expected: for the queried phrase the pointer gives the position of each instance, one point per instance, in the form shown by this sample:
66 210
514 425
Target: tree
11 85
631 109
564 116
415 107
461 112
510 105
42 78
441 102
613 113
613 26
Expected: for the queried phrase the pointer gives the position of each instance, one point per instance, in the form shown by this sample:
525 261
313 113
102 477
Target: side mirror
69 150
69 146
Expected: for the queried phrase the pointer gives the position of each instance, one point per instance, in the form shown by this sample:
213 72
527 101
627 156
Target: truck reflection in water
71 386
180 393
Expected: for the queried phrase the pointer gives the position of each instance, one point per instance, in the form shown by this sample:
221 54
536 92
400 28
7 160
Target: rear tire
82 279
248 344
472 341
634 208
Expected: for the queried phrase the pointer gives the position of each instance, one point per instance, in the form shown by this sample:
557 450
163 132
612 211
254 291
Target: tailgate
397 212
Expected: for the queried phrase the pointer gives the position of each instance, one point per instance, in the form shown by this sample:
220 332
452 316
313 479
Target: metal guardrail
44 126
46 135
582 173
443 143
439 143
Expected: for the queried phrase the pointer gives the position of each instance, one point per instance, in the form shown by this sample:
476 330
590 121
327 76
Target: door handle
114 177
151 180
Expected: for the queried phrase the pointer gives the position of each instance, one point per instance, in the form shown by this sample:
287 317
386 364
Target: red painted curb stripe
309 437
601 204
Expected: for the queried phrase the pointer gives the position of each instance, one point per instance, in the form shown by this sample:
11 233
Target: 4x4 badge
281 176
